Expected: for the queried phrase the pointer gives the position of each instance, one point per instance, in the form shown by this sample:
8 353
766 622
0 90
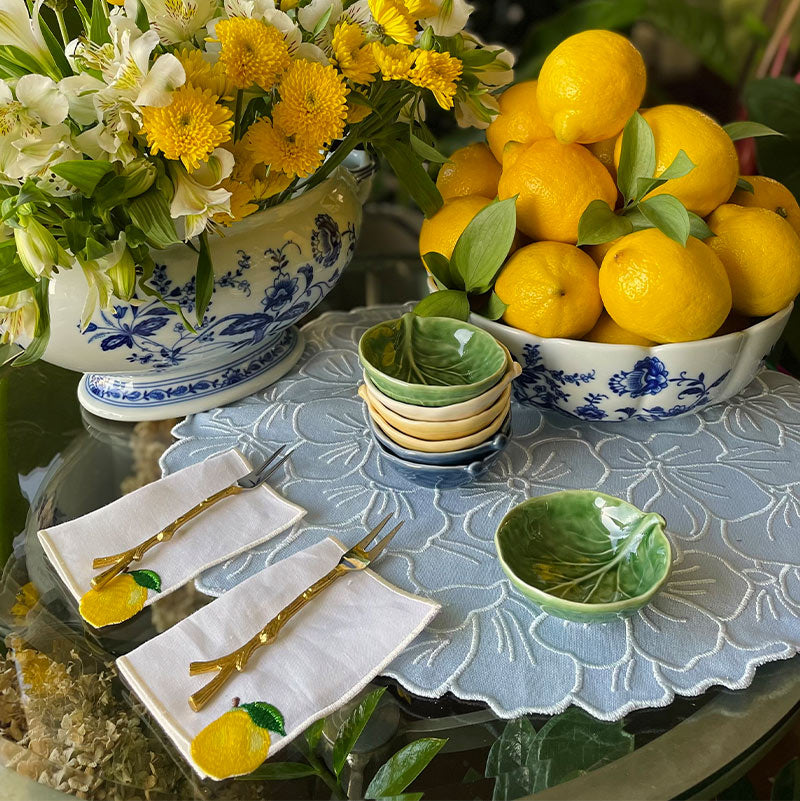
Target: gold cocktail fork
119 561
354 559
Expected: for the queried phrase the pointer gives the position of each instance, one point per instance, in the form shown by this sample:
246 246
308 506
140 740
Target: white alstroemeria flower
452 17
41 96
310 16
476 110
36 154
18 313
196 199
80 90
497 73
37 249
179 20
99 291
308 51
18 29
248 8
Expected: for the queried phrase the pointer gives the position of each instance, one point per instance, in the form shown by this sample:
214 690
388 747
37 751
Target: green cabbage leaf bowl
431 361
584 556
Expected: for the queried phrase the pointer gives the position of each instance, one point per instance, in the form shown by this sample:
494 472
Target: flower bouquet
158 122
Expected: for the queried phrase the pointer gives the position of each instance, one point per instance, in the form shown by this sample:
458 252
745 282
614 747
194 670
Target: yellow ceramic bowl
436 446
434 430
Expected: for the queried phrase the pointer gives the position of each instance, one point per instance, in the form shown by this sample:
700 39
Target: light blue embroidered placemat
727 481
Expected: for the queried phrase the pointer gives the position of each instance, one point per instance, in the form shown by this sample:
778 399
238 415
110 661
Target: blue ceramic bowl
463 457
435 476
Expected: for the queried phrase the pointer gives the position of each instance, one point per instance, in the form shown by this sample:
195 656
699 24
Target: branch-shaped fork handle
354 559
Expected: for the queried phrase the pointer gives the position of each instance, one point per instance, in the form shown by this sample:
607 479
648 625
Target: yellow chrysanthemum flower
189 128
252 52
288 5
291 154
205 75
438 72
270 184
244 162
352 57
394 20
356 112
313 102
421 9
241 202
394 61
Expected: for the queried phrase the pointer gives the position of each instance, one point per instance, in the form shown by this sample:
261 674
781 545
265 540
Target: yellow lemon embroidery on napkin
237 742
120 599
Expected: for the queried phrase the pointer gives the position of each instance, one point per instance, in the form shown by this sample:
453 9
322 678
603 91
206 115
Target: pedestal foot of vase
176 393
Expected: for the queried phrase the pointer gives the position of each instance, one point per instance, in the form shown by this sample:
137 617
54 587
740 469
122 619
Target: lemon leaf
698 227
746 185
495 308
484 244
444 303
599 224
439 266
396 774
681 165
637 157
147 578
747 129
265 715
669 215
353 726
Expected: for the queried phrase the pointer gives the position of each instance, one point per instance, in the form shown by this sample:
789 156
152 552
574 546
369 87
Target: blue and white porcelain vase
141 363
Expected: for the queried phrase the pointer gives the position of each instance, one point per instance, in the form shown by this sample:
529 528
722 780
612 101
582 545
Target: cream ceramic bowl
456 411
435 430
436 446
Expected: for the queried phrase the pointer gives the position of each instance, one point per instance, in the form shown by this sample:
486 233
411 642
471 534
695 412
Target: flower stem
62 26
237 114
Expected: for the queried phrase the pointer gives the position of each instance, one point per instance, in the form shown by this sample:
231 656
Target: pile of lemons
555 145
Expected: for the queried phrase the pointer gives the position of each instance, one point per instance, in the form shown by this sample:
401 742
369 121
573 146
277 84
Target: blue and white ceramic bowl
463 457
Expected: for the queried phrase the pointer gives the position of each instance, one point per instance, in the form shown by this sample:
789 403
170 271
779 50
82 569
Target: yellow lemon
604 153
119 600
598 252
555 183
761 253
234 744
519 119
440 233
590 85
551 290
662 291
472 170
606 330
711 150
769 194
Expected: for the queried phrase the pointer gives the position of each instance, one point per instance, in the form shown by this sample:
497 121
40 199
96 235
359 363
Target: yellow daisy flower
205 75
189 128
241 202
394 20
394 61
313 102
291 154
356 112
270 184
438 72
354 59
421 9
252 52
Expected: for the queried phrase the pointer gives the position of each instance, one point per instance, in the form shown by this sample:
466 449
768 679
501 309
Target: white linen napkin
226 529
322 658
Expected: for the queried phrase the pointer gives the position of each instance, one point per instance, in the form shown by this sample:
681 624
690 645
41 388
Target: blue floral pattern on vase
541 386
648 377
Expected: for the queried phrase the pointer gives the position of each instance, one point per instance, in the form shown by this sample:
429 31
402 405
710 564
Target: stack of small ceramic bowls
438 392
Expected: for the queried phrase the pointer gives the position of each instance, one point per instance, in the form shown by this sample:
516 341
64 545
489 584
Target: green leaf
439 266
321 23
637 156
394 776
41 337
13 276
204 278
266 716
444 303
351 729
599 224
669 215
745 185
82 174
314 733
747 129
56 48
478 57
147 578
698 227
510 751
150 214
495 308
402 797
412 175
681 165
484 244
279 771
96 250
98 31
425 151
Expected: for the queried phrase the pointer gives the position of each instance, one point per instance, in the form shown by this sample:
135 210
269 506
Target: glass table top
58 462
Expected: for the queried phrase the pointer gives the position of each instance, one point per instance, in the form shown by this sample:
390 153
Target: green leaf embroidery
669 215
278 771
637 156
746 185
747 129
698 227
412 175
440 269
444 303
394 776
204 280
147 578
83 175
495 308
484 244
351 729
599 224
265 715
425 151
